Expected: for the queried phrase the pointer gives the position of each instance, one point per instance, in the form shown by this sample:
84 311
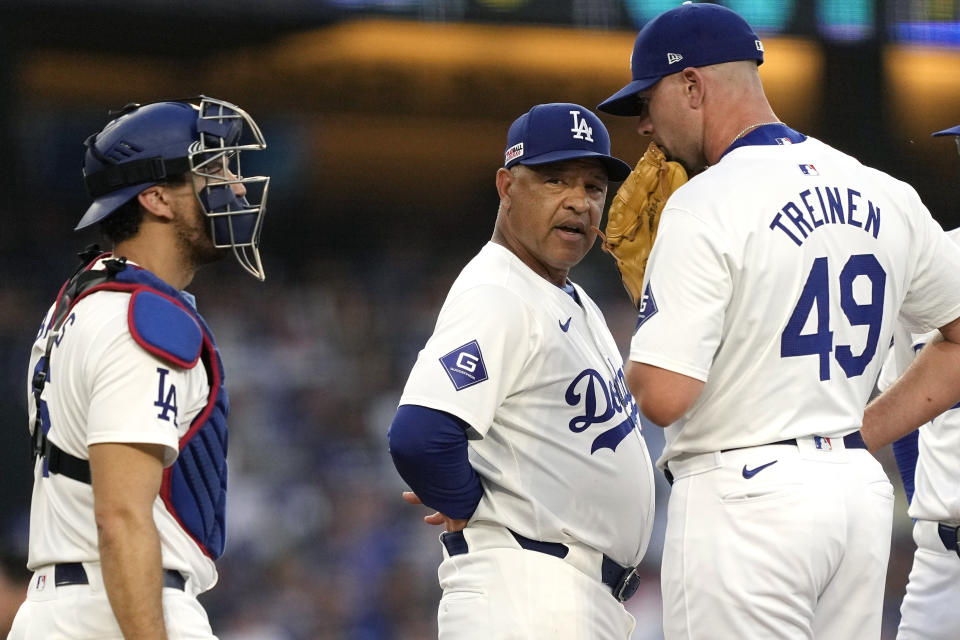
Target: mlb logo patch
648 307
784 141
513 152
41 582
464 366
809 170
823 443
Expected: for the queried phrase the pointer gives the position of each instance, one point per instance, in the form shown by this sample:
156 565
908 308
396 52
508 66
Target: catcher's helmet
205 136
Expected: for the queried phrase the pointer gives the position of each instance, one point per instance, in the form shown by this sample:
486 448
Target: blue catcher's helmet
205 137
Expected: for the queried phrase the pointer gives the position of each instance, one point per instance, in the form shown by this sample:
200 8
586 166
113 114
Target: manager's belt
850 441
948 536
623 581
73 573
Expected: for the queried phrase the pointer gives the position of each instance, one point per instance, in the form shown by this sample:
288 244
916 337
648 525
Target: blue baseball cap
561 131
952 131
691 35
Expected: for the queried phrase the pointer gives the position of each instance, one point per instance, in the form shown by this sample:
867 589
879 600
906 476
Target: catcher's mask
203 136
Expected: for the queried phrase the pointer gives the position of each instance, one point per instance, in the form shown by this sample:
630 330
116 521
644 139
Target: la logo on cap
581 130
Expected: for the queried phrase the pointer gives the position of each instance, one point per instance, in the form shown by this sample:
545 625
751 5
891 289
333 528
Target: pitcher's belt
850 441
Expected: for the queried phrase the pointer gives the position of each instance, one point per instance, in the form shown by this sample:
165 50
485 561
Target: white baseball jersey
936 488
540 381
103 387
783 298
929 606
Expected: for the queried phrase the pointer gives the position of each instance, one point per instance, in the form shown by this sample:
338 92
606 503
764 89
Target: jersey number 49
817 291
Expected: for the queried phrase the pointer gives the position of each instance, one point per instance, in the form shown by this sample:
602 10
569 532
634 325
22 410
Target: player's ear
505 179
693 86
156 200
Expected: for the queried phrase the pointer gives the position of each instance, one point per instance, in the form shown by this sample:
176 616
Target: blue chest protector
164 322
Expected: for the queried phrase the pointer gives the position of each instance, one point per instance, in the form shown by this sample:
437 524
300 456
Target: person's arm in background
929 386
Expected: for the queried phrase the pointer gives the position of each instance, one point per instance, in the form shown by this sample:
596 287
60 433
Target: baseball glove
635 215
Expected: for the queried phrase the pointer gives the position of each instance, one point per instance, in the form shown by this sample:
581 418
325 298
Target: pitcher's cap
691 35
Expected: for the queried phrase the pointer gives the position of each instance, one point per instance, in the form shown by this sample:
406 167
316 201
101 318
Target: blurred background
386 121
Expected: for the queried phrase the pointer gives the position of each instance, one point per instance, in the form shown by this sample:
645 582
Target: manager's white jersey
103 387
936 494
540 379
776 278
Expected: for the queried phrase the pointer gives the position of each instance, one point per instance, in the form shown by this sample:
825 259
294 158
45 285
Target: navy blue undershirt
778 133
906 451
429 450
571 291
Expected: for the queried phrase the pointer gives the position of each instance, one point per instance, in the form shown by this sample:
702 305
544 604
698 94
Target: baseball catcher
635 215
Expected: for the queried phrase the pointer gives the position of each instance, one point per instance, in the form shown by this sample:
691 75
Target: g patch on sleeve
648 307
464 365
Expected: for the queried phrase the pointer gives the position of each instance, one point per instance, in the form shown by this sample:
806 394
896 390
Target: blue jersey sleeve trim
164 328
429 450
905 452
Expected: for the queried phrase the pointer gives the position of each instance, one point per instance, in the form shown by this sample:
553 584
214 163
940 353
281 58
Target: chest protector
162 321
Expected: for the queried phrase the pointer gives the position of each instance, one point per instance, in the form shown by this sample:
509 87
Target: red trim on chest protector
150 347
152 340
166 485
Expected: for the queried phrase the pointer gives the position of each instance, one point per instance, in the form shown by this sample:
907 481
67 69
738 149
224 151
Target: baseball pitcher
769 300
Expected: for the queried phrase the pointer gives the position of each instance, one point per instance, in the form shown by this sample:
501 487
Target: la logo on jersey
464 366
581 130
166 397
602 402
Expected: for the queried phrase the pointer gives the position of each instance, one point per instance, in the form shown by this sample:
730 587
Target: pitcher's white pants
795 550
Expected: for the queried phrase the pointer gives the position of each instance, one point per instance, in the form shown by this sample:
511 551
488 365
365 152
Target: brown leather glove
635 215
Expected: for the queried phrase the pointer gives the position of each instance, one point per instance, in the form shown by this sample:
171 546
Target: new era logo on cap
674 58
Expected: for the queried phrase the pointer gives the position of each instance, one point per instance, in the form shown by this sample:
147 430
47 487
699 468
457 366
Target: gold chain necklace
753 126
